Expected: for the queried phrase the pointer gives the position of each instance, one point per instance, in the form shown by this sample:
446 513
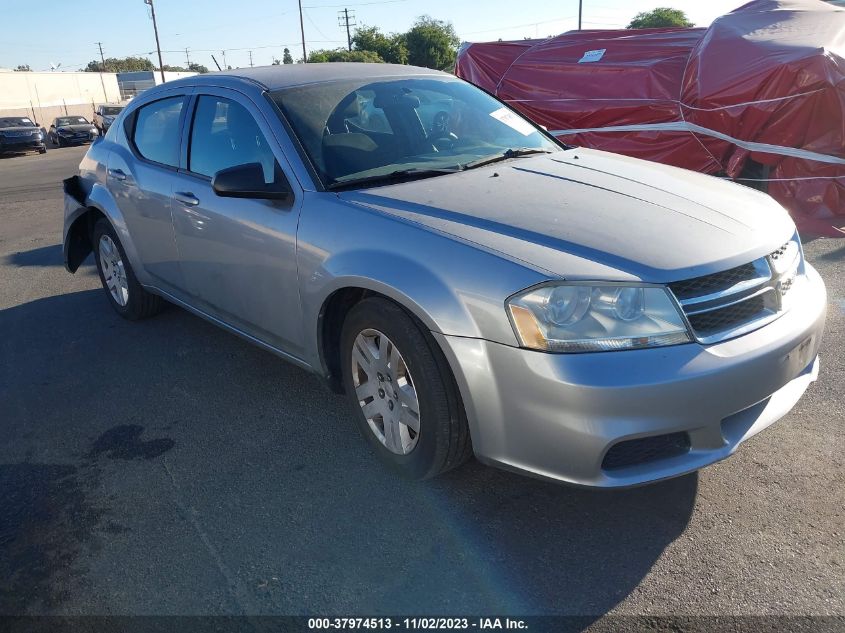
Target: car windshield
357 131
71 120
16 122
112 110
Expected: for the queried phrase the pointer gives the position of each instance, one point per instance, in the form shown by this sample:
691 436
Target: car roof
287 75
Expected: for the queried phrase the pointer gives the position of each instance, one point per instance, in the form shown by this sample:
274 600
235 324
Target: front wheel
126 295
404 397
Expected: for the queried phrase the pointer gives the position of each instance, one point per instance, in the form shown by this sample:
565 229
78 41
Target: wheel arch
333 312
77 244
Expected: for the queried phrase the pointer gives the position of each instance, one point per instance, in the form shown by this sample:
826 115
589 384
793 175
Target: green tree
391 48
432 43
343 55
660 18
120 65
174 69
287 58
197 68
23 68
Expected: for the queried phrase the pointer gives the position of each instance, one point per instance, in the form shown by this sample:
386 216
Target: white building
46 95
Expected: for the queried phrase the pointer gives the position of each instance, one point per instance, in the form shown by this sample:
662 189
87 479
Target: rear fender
82 210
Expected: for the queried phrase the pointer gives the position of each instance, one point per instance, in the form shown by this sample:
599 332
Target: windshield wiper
507 154
400 175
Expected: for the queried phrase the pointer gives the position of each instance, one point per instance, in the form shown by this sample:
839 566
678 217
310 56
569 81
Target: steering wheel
440 136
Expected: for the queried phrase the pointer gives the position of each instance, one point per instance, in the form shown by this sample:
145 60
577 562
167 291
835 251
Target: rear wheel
125 294
402 392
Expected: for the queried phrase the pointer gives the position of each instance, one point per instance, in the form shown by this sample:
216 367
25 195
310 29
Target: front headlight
575 317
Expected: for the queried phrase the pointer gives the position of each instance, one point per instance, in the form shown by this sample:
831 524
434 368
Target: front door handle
186 197
117 174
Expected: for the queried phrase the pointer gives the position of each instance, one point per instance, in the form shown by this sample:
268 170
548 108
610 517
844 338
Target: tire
442 441
132 301
58 141
43 150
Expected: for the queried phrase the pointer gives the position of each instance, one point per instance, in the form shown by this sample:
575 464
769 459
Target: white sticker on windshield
592 56
25 120
513 121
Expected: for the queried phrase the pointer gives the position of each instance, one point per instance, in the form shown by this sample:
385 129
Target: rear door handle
186 197
117 174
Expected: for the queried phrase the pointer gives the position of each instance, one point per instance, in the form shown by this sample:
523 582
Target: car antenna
215 63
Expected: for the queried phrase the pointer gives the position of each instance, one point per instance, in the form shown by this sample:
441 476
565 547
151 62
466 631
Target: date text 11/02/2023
422 623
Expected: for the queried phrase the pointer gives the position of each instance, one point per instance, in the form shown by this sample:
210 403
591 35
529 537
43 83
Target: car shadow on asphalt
259 448
44 256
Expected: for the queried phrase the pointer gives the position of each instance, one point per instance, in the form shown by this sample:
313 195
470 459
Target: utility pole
302 31
580 7
102 58
187 58
225 66
155 29
102 70
250 59
347 21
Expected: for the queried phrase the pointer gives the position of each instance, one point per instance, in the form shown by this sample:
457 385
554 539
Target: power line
519 26
351 4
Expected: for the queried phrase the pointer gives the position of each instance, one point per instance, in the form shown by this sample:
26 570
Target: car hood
589 214
20 128
77 127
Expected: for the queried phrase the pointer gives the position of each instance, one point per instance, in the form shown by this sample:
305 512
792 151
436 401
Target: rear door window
156 134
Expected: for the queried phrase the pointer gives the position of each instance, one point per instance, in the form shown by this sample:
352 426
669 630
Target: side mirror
247 181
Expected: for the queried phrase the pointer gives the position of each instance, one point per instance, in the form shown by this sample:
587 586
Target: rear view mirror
247 181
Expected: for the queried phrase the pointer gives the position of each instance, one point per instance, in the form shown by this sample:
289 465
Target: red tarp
765 82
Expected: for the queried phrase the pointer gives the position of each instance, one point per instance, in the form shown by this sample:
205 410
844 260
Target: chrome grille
713 321
716 282
735 301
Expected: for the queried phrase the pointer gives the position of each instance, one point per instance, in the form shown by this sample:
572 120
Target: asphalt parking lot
167 467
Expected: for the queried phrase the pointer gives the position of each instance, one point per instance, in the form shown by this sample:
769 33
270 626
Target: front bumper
557 416
22 144
73 139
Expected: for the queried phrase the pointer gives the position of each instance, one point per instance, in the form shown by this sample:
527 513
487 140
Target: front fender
450 286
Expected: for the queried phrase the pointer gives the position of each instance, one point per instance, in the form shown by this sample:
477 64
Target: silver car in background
473 286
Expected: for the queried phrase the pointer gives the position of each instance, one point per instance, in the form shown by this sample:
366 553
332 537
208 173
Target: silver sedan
472 285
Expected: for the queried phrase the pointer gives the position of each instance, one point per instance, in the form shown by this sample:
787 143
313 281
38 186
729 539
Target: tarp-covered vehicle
759 96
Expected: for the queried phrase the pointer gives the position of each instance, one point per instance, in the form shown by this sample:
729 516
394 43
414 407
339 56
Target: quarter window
156 135
224 134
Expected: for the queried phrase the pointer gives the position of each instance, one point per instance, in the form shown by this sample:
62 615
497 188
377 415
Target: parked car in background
71 130
20 134
476 287
104 115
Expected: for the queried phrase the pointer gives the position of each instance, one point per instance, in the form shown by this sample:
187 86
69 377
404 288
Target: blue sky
266 26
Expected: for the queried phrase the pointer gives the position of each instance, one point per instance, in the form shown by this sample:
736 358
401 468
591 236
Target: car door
141 177
238 255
